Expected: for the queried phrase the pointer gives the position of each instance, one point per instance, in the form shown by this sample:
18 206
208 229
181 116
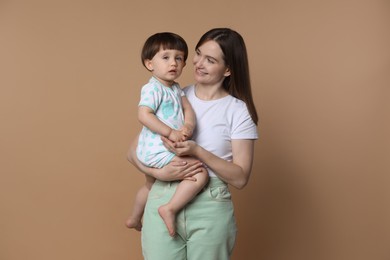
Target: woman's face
210 67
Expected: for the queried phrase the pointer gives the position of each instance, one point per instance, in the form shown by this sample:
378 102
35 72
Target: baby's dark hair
166 41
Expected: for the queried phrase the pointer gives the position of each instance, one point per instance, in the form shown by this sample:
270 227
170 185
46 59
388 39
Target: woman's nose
198 61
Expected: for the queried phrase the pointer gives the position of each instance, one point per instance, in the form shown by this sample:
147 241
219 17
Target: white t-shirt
220 121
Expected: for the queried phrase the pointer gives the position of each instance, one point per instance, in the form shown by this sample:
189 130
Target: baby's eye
179 58
165 57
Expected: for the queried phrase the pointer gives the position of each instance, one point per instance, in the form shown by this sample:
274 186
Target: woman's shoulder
236 109
236 103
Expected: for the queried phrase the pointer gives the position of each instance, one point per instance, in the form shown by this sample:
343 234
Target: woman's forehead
211 48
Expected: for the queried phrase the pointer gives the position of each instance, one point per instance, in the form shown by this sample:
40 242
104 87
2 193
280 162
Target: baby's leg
185 192
134 220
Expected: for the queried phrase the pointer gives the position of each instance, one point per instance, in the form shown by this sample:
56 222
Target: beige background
70 79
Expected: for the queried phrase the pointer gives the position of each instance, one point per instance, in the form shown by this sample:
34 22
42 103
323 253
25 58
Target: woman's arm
236 173
171 172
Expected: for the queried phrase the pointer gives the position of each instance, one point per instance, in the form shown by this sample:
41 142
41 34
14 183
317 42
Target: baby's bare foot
136 224
169 219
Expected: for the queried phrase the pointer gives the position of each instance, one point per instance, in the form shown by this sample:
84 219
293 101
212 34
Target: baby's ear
148 64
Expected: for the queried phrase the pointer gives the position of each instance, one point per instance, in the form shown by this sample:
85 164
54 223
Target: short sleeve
244 127
151 96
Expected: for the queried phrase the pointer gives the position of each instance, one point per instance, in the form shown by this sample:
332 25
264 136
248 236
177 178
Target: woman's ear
148 64
227 72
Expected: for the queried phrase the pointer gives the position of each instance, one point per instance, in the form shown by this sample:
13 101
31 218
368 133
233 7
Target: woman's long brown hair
236 59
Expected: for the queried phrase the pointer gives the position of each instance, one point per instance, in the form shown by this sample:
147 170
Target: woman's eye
211 61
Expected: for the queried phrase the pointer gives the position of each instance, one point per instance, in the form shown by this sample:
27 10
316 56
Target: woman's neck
210 92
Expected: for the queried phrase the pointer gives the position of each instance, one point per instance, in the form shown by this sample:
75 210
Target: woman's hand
175 170
179 170
186 148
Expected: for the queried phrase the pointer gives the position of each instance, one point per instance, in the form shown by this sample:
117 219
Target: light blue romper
167 106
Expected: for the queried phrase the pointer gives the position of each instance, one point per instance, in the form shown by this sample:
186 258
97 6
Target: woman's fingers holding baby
179 170
168 144
186 148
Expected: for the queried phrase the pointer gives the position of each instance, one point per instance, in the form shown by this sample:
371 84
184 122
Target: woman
223 142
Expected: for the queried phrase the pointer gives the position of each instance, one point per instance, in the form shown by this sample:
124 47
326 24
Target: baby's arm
147 117
189 118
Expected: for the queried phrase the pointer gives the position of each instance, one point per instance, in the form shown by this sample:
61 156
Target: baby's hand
176 136
187 132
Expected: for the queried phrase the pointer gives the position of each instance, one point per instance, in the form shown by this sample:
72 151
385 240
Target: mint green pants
205 228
